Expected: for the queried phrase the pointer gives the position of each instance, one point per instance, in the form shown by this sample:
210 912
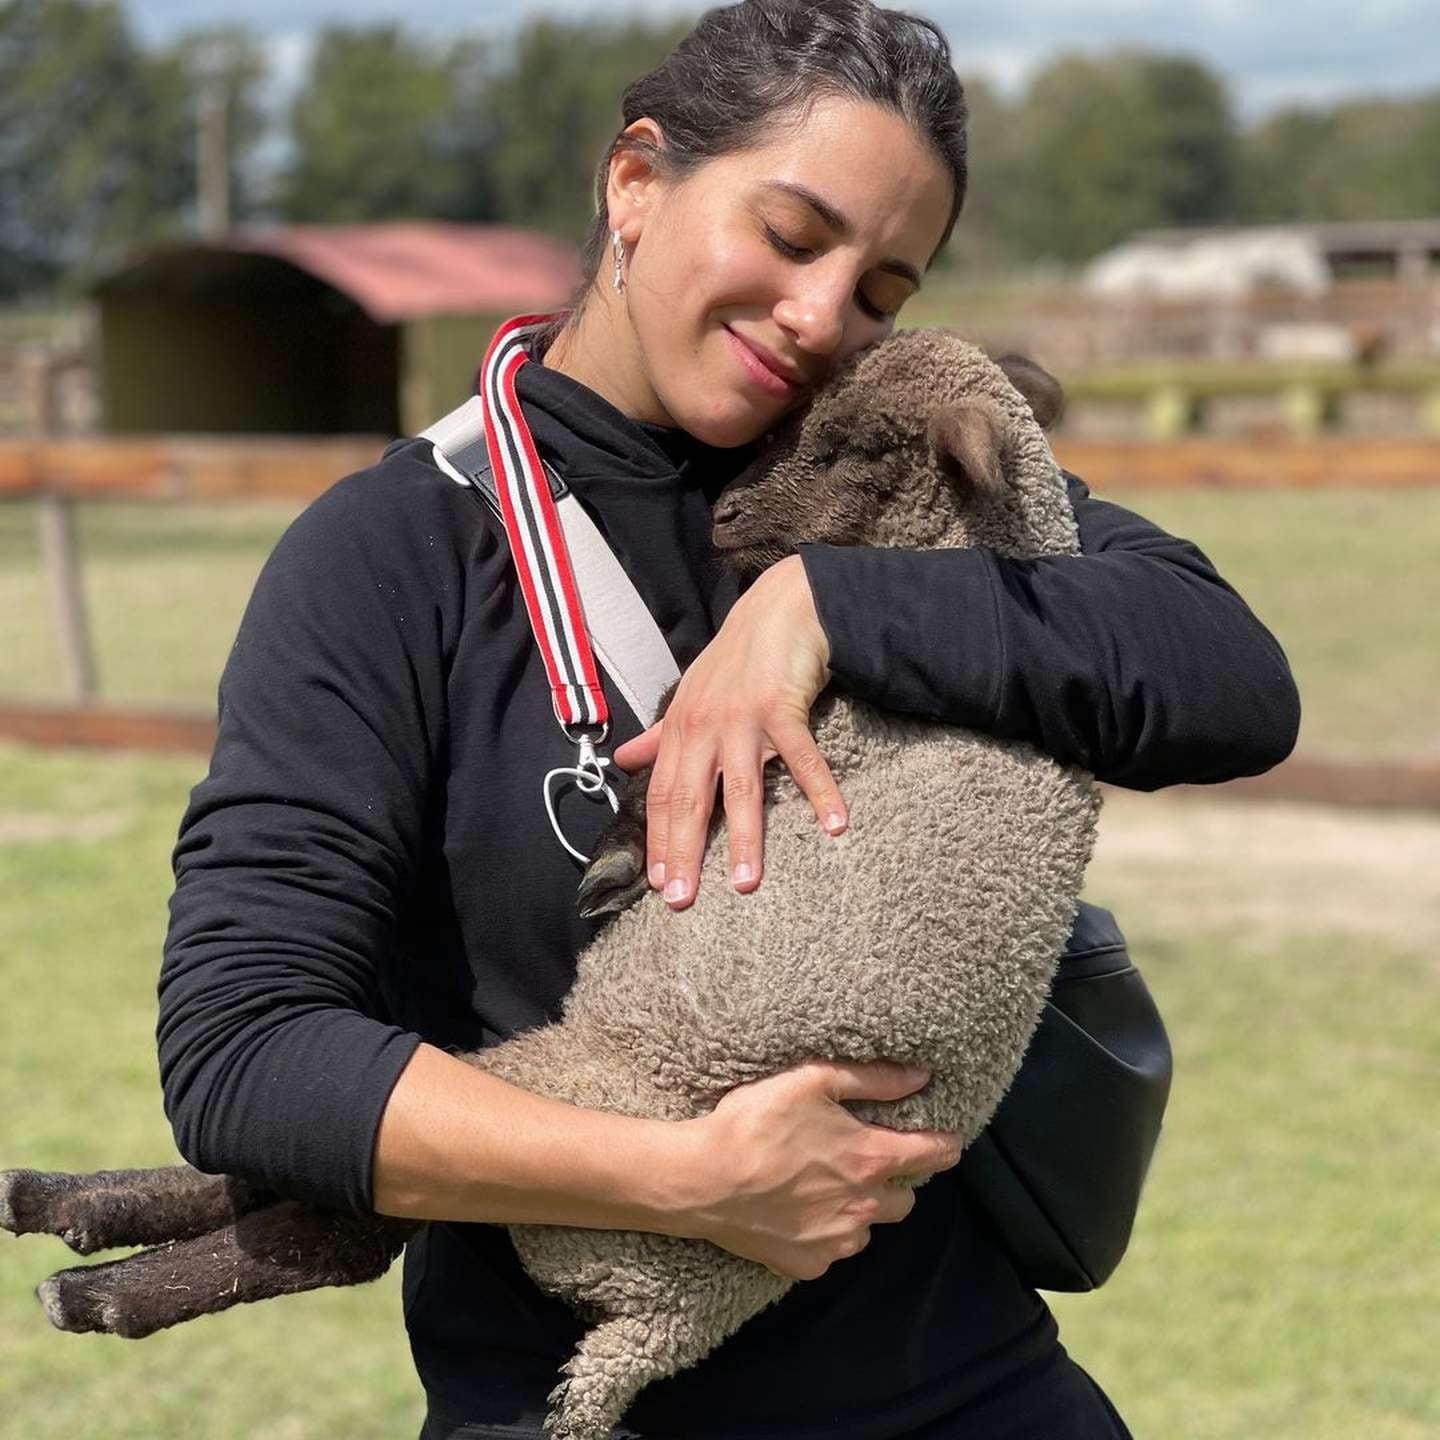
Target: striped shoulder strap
623 633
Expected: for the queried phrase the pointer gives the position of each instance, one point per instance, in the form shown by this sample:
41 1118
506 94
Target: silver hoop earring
618 245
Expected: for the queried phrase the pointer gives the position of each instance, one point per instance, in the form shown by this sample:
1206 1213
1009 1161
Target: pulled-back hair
745 66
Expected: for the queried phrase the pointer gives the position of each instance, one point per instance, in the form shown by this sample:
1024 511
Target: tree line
98 139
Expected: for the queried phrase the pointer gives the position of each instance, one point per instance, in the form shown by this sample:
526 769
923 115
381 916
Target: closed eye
797 252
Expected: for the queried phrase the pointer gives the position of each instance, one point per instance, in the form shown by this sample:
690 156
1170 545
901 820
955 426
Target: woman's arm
1133 659
778 1172
298 848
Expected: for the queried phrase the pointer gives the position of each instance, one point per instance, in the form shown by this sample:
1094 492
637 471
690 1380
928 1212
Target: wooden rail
1382 785
223 467
1332 463
104 727
230 468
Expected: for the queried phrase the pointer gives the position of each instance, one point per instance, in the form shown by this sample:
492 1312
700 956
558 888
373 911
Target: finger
894 1204
922 1152
869 1080
657 807
803 759
689 803
743 791
636 754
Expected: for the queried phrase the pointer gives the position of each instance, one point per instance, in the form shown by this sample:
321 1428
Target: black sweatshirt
368 862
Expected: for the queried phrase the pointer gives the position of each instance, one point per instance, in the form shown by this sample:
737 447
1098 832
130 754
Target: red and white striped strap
537 541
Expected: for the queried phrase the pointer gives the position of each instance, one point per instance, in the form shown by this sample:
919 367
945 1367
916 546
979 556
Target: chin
729 432
741 422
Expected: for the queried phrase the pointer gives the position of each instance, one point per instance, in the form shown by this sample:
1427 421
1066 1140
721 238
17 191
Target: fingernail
834 822
744 873
675 890
657 874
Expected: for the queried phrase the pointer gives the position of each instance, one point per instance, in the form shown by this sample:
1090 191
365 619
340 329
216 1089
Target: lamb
920 441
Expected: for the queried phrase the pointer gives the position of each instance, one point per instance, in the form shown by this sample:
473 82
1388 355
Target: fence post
61 563
57 549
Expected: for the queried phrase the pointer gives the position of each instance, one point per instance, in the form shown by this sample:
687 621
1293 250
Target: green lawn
1348 582
1284 1281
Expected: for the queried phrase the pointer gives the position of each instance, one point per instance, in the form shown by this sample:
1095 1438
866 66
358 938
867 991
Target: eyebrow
841 226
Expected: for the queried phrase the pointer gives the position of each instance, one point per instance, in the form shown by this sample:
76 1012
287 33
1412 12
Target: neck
598 348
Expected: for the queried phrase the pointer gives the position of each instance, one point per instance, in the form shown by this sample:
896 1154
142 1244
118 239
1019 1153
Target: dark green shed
316 329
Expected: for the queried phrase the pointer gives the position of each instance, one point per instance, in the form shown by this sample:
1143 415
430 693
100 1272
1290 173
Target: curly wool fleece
928 932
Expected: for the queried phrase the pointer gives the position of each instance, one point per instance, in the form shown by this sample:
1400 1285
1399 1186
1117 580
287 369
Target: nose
815 317
727 508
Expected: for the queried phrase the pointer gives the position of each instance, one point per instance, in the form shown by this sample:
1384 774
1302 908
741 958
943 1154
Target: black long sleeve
294 853
1133 658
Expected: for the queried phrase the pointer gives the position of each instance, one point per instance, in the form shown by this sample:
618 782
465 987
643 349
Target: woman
367 877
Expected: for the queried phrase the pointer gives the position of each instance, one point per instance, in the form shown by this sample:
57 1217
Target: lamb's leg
615 878
124 1207
656 1304
649 1340
281 1250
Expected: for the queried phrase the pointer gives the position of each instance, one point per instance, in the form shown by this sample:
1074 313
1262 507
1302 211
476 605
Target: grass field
1348 581
1284 1280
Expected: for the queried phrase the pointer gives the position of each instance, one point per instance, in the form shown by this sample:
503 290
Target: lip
764 368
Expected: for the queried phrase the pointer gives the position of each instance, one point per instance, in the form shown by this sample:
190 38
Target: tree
386 127
1112 144
95 140
555 108
1360 160
993 199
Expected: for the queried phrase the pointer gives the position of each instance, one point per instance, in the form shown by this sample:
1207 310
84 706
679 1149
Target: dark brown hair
744 66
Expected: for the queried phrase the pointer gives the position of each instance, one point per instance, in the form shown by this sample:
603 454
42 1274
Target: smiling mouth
760 371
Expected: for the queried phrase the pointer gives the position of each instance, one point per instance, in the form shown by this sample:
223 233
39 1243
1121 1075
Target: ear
633 180
966 438
1042 391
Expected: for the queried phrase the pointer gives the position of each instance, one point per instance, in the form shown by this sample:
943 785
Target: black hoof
14 1185
614 881
32 1202
94 1299
26 1200
73 1305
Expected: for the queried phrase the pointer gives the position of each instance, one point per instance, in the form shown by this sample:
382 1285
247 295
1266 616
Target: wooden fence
57 474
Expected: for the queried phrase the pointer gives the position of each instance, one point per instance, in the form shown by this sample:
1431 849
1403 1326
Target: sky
1272 52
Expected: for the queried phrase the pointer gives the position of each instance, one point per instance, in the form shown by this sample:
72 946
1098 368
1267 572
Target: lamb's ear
1042 391
967 437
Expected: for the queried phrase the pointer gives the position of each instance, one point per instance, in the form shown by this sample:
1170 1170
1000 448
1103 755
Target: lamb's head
921 441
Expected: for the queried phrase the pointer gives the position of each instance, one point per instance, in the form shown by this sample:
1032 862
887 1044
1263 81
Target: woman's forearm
455 1143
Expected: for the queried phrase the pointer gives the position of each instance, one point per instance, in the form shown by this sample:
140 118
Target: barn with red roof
316 329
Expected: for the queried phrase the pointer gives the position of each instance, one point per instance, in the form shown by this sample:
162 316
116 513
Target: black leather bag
1059 1170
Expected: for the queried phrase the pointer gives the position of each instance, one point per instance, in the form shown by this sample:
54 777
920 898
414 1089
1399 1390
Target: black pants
1056 1401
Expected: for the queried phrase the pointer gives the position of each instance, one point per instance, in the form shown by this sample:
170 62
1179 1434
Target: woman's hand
745 699
794 1180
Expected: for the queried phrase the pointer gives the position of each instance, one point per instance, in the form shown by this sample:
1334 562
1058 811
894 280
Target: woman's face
802 250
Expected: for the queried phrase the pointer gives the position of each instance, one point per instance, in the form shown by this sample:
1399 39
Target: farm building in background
1336 292
315 329
1306 259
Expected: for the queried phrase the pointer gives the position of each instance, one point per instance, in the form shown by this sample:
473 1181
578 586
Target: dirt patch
1274 865
22 827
